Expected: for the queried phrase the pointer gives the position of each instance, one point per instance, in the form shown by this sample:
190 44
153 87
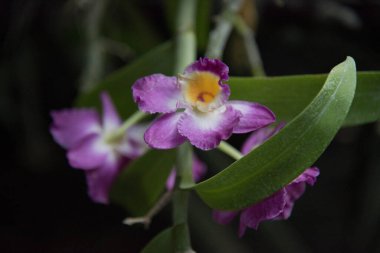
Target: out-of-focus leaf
282 158
287 96
163 242
118 84
142 182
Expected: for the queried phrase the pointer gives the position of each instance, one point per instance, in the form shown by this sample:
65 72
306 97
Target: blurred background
49 49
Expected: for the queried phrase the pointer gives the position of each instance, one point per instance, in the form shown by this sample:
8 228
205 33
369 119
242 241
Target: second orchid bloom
195 107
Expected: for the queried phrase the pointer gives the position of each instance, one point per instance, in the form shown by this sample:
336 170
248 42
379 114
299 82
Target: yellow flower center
201 88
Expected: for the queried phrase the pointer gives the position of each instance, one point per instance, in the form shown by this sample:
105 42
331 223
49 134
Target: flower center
201 88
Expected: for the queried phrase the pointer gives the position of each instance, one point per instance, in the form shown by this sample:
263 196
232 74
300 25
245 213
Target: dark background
43 201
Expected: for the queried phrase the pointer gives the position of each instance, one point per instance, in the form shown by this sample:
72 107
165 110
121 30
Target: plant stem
93 69
185 54
185 38
181 198
135 118
219 36
146 219
230 150
251 47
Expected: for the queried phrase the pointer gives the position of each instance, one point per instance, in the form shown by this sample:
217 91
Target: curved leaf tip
278 161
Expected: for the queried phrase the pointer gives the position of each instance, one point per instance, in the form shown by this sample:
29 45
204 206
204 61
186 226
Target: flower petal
309 176
69 127
266 209
163 133
99 181
199 169
211 65
157 93
224 217
171 180
259 136
206 130
254 116
88 154
293 192
111 119
295 189
216 67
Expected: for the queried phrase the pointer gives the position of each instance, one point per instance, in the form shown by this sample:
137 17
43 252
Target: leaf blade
288 95
282 158
141 183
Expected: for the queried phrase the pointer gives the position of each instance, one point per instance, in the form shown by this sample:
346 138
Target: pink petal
207 130
256 139
88 154
163 133
214 66
111 119
171 180
199 169
266 209
99 181
157 93
293 192
309 176
224 217
295 189
70 127
254 116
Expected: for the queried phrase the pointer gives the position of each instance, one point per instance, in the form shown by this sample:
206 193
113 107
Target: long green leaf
282 158
118 84
142 182
287 96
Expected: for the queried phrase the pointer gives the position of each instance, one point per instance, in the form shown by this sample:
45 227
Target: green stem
251 47
185 39
135 118
219 36
93 70
147 218
185 54
230 150
181 236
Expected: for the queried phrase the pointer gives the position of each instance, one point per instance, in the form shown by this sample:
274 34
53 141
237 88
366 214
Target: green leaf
278 161
118 84
287 96
141 183
163 242
166 240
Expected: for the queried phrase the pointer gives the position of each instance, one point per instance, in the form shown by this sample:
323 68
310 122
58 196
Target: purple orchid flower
199 170
277 206
195 107
92 146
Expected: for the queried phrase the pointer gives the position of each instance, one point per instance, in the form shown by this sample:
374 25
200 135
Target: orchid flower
275 207
195 107
92 145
